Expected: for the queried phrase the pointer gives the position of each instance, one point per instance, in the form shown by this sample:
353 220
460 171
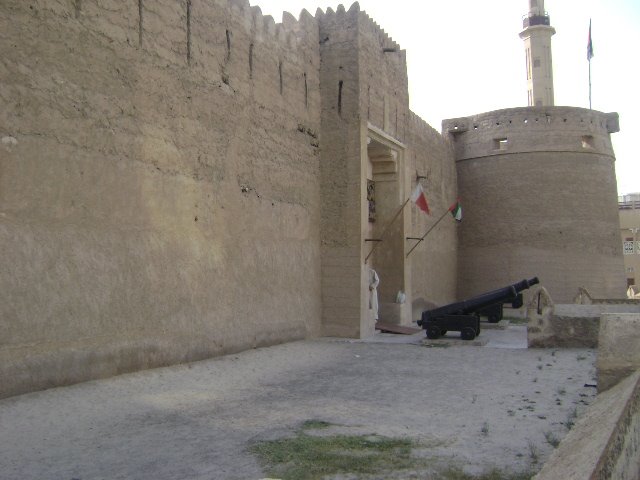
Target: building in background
629 210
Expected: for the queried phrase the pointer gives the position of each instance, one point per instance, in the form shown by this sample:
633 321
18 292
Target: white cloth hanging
374 281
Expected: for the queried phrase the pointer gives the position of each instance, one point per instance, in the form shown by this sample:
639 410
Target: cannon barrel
472 305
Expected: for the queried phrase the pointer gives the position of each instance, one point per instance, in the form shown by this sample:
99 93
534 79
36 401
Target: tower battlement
532 129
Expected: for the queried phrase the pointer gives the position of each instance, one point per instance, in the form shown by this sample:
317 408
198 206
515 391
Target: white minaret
537 43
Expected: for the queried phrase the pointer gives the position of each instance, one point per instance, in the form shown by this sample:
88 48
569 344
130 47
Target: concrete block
619 348
567 325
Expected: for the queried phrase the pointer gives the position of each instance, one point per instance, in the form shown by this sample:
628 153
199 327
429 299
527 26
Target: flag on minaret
589 44
418 197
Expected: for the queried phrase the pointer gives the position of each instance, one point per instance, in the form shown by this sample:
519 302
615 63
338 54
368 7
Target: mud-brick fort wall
364 92
384 103
159 193
340 174
182 179
434 262
539 193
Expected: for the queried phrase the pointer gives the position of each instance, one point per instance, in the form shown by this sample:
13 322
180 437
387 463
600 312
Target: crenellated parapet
539 187
369 26
420 126
223 41
532 129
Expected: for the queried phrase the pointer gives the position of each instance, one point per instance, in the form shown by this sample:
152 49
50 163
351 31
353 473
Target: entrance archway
385 197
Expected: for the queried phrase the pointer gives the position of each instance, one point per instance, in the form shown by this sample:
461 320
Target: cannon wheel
433 332
468 333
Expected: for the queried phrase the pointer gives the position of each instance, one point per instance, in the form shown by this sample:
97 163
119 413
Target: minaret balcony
532 20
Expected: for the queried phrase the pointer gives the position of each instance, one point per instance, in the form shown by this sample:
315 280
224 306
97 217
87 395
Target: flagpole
428 231
589 56
384 232
589 83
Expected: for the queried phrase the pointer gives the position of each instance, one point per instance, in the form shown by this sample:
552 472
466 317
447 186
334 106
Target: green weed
552 439
307 457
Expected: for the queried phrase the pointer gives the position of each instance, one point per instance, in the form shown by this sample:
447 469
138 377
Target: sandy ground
478 406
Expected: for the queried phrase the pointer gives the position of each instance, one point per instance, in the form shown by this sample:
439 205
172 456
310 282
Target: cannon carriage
464 317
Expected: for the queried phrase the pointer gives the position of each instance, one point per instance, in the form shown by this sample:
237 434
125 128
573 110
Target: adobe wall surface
343 273
186 179
619 348
364 93
159 185
431 267
539 196
434 261
605 442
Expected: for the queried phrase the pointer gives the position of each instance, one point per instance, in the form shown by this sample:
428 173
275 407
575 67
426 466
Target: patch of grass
495 474
315 425
307 457
581 357
551 439
534 455
485 429
571 418
311 457
562 391
516 320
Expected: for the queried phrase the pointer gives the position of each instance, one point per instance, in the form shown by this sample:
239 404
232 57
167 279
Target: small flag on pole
418 197
589 44
456 210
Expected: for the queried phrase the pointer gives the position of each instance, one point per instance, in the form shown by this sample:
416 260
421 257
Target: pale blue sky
465 57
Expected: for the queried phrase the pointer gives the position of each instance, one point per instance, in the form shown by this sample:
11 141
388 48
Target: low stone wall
605 443
584 298
552 325
619 348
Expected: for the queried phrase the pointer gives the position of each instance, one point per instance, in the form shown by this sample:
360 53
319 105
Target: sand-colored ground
473 406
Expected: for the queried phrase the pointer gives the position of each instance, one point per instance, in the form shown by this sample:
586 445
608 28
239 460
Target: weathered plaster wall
434 261
343 312
159 195
384 103
431 268
182 179
365 94
539 198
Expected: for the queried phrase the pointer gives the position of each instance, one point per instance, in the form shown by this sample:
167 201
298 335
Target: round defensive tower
538 190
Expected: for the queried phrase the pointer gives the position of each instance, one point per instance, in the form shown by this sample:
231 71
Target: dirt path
477 406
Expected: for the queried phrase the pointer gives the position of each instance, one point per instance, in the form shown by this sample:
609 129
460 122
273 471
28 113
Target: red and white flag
418 197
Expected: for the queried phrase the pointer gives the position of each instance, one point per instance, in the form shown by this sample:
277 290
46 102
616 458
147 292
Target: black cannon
494 312
464 317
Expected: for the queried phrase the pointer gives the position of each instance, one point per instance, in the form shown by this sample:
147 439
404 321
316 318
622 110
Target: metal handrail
530 20
630 205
